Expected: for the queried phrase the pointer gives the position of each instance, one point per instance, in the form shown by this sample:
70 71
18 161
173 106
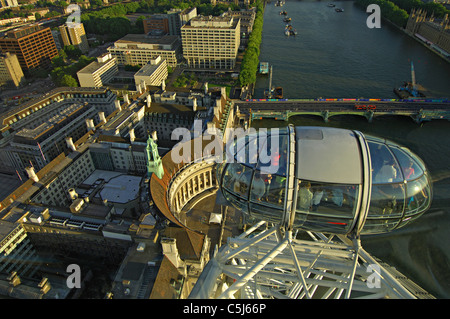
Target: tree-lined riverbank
250 61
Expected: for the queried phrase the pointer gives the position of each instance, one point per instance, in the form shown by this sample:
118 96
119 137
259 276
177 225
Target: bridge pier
369 116
325 115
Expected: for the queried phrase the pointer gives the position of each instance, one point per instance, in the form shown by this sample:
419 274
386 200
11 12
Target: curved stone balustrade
191 181
181 183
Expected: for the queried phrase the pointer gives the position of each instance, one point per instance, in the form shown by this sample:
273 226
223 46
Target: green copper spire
154 163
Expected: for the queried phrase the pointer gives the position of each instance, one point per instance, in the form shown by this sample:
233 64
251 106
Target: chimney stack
102 117
31 174
72 193
70 144
90 124
118 107
132 136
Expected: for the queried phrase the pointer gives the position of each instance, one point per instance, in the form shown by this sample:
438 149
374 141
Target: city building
136 49
37 145
156 23
74 34
432 31
77 218
58 40
33 45
35 131
169 23
99 72
164 118
153 73
5 4
21 268
170 110
247 18
112 153
10 71
211 42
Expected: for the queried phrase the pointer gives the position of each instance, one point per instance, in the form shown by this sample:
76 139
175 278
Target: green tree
72 52
250 61
68 80
58 61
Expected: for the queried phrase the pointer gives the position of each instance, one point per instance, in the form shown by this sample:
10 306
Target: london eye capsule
325 180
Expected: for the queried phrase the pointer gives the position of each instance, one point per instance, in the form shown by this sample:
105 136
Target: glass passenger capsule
325 179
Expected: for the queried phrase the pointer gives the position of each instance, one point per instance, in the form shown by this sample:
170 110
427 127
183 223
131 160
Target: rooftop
33 133
121 189
94 66
212 22
22 109
22 31
149 68
168 108
139 38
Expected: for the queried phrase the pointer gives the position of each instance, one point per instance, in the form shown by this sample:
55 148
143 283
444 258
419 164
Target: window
326 207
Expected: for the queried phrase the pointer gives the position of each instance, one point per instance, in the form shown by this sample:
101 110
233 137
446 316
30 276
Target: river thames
335 55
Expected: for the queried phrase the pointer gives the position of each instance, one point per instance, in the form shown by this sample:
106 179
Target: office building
78 203
156 23
169 23
34 132
211 42
247 19
33 45
10 71
38 145
99 72
153 73
5 4
74 34
136 49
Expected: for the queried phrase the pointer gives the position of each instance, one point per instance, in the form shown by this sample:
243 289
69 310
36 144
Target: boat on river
289 30
410 89
264 68
278 92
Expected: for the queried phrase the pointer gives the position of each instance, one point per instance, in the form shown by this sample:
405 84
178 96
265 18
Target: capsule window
385 168
237 179
268 189
387 201
410 169
418 197
326 207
